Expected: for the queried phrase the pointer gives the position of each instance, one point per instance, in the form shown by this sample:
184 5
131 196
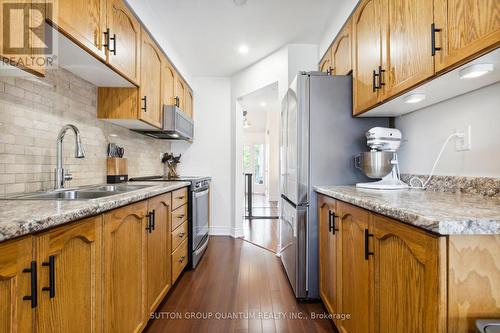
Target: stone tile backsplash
32 112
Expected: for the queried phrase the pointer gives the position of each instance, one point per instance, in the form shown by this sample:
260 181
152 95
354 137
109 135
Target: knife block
117 170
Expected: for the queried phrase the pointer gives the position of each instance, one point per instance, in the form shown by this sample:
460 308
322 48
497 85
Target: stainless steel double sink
80 193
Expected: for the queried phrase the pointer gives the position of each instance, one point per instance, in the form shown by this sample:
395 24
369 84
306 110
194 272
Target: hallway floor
263 233
241 280
262 207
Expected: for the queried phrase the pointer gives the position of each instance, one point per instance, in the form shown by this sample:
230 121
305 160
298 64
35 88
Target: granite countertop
438 212
23 217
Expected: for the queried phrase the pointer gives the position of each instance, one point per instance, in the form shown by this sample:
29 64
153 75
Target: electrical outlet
463 143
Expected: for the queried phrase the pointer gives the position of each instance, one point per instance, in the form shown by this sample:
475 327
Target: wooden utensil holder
117 170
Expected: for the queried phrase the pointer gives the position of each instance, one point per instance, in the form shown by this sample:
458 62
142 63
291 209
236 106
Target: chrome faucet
60 176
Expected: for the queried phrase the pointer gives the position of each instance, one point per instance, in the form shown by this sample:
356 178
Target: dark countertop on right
438 212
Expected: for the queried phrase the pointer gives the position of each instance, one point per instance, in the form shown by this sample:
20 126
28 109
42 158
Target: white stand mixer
382 160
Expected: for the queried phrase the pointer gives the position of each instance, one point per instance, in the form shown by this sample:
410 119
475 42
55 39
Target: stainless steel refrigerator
318 140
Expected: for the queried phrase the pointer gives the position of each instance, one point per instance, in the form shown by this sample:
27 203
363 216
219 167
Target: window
247 162
259 164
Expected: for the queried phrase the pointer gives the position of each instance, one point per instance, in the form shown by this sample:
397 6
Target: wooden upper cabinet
408 288
124 255
189 103
16 314
69 284
82 21
180 91
342 52
408 56
125 38
468 28
168 83
367 29
355 269
159 264
150 89
325 64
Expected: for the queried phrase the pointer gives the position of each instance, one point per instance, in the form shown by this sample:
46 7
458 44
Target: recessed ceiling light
263 104
475 70
414 98
240 3
243 49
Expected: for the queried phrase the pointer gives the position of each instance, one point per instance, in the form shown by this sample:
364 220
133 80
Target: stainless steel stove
198 206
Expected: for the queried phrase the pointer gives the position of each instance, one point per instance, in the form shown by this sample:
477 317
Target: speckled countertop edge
23 217
440 213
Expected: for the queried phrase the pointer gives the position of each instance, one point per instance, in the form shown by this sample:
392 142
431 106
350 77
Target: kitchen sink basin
81 193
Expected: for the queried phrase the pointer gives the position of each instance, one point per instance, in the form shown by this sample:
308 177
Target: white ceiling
206 34
257 111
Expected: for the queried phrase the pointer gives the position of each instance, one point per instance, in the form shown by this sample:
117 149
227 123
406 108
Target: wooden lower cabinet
159 278
355 269
328 249
16 257
124 268
69 278
408 287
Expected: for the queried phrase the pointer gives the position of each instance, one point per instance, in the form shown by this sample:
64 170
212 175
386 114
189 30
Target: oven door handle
200 194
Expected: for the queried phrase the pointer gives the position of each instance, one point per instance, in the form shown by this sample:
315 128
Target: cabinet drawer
179 215
179 235
179 260
179 197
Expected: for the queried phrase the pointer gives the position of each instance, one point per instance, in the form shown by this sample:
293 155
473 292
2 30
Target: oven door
200 217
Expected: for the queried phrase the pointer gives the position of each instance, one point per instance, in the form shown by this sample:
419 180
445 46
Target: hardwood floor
238 279
263 233
262 207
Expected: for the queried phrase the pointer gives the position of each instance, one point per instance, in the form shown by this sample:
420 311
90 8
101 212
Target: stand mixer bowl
374 164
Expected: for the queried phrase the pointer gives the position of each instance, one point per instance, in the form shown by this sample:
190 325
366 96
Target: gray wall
427 129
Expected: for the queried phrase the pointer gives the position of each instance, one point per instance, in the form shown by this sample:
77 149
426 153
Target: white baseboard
226 231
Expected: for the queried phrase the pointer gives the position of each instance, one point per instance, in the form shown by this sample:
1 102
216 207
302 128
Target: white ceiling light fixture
414 98
243 49
246 123
475 70
240 3
263 104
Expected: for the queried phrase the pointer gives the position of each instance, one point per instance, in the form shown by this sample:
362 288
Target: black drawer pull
33 297
331 222
145 104
52 276
149 227
114 44
367 244
153 222
433 39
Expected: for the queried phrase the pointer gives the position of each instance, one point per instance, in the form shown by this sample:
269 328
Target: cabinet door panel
151 61
168 83
125 258
355 269
83 21
341 52
180 91
469 27
367 53
189 103
409 54
159 265
126 27
406 278
326 63
76 253
16 314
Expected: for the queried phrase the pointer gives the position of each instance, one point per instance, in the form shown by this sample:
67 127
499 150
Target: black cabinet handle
145 104
114 44
433 39
33 297
331 222
149 228
153 220
52 276
380 80
367 244
177 101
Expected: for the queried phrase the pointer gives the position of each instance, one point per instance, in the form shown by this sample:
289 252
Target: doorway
260 161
